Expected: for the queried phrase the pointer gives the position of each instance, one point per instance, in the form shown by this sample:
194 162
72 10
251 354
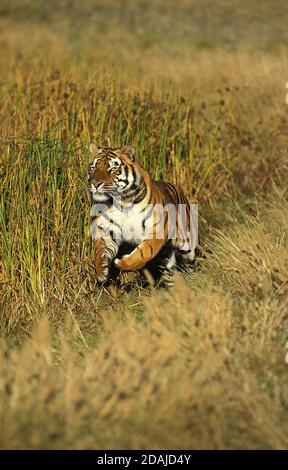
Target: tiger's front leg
106 250
138 258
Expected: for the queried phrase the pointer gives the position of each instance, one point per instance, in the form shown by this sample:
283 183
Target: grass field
200 92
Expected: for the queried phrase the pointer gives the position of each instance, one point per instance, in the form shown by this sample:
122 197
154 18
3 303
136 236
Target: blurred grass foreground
199 89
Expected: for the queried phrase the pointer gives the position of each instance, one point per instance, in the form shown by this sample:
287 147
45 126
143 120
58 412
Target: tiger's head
113 172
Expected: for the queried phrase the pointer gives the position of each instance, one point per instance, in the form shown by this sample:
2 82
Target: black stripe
157 223
141 195
129 194
126 171
150 246
133 173
147 217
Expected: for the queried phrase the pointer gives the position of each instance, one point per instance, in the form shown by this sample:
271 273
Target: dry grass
199 367
202 366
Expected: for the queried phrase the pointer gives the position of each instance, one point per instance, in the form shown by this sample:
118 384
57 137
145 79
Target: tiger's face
112 172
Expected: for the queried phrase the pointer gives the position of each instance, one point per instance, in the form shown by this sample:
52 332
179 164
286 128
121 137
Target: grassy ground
200 93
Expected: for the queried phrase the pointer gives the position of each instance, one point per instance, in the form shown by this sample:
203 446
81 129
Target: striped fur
134 217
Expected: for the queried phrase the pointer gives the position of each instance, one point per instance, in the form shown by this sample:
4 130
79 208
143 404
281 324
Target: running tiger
136 221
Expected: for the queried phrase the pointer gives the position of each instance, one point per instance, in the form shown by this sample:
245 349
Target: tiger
131 230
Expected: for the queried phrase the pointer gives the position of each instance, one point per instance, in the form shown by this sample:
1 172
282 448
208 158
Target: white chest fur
123 224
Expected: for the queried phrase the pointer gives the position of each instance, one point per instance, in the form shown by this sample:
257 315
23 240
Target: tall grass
200 367
203 365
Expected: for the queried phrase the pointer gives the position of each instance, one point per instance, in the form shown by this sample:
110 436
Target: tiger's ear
129 151
94 149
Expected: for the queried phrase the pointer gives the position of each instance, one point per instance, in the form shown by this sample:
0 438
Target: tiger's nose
96 184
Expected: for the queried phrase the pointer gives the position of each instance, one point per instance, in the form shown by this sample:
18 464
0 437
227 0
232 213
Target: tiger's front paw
102 271
122 264
126 264
101 278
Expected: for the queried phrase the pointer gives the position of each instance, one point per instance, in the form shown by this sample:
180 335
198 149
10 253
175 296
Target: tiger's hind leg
166 267
185 259
161 268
